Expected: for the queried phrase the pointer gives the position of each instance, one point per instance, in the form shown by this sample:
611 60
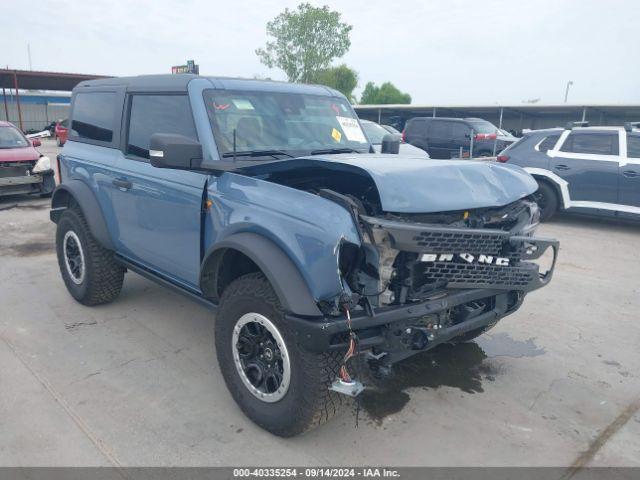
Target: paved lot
136 382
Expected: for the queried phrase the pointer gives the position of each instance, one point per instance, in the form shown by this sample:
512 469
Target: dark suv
445 138
266 201
594 170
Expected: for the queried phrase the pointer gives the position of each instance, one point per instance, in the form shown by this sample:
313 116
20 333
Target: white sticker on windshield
351 129
242 104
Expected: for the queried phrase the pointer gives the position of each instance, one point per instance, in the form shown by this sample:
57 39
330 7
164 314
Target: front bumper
36 183
321 335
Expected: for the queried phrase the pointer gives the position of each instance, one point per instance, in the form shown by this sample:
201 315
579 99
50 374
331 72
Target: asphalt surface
136 383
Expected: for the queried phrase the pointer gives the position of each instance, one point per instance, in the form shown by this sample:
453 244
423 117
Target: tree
384 94
304 41
342 78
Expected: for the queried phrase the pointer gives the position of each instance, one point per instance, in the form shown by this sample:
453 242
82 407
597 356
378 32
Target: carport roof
35 80
478 110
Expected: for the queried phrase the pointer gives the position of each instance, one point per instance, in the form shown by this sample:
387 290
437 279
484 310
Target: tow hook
344 383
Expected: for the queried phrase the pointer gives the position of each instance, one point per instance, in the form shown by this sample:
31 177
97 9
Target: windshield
10 137
282 123
374 131
390 129
481 126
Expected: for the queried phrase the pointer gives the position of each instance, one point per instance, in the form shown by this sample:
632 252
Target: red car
61 131
22 168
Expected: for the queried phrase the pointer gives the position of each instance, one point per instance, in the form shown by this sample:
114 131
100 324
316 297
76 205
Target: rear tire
304 400
89 270
547 200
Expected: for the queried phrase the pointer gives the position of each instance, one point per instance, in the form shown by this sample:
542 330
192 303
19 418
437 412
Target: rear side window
416 127
93 116
548 143
460 131
440 129
633 146
157 114
596 143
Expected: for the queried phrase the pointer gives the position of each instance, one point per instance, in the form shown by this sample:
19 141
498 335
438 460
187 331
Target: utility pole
29 54
566 92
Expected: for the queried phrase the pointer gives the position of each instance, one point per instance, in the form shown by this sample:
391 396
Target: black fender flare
89 205
285 278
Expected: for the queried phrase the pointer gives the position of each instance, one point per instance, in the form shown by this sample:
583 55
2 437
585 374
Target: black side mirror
170 150
390 144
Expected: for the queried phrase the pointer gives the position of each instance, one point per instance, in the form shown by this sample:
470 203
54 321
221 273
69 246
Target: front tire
277 383
89 271
547 200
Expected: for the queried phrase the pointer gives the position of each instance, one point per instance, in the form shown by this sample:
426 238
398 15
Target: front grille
15 169
459 275
467 241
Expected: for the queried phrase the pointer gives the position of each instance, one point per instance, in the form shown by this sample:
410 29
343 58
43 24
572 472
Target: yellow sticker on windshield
336 135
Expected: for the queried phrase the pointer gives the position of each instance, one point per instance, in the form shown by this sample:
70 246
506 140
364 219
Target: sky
445 52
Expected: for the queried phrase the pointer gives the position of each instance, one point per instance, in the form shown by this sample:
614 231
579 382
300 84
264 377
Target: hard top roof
179 82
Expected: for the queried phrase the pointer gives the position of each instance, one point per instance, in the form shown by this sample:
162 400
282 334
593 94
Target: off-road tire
308 401
103 275
547 200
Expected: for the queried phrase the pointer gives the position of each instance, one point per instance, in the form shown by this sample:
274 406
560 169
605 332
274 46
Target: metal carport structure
35 80
509 117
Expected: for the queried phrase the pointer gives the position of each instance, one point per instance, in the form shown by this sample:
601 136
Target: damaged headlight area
402 262
42 165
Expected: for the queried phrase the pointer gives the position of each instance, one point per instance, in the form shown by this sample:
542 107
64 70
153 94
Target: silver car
376 132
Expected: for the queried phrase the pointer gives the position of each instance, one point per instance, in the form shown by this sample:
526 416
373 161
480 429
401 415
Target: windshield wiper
334 150
258 153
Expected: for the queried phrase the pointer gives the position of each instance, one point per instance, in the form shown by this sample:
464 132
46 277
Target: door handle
563 167
631 174
123 184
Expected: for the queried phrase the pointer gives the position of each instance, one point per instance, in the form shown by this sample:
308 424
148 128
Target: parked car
22 168
444 138
376 133
261 199
61 132
593 170
391 129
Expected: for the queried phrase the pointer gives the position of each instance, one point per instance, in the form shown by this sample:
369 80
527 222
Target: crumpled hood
20 154
418 185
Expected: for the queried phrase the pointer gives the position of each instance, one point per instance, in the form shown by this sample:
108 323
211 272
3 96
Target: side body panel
308 228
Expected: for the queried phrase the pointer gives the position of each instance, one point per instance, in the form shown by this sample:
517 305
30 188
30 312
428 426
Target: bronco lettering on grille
467 257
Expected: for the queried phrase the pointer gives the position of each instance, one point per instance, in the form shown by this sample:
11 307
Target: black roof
179 82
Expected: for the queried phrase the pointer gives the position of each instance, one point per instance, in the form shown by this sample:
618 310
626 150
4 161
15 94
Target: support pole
15 85
379 116
6 107
584 114
434 112
500 122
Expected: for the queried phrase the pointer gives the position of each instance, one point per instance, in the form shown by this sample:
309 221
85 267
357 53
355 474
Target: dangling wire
351 351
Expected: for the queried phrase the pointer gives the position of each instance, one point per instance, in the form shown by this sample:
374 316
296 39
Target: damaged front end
419 280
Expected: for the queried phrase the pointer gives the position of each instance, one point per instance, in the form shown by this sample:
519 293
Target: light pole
566 92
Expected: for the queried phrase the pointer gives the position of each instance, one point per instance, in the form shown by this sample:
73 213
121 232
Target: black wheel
547 200
89 271
278 384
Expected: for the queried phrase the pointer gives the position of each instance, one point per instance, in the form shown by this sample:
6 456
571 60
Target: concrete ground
136 382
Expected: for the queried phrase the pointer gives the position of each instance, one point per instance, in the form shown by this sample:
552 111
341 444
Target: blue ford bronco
266 201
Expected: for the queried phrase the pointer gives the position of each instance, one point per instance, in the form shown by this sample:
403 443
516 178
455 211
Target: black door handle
120 183
563 167
631 174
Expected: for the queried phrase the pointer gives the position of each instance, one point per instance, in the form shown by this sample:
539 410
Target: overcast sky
441 52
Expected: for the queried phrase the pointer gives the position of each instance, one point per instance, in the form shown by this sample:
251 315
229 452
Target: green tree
384 94
304 41
342 78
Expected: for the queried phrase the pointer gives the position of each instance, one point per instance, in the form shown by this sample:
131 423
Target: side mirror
36 142
390 144
170 150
